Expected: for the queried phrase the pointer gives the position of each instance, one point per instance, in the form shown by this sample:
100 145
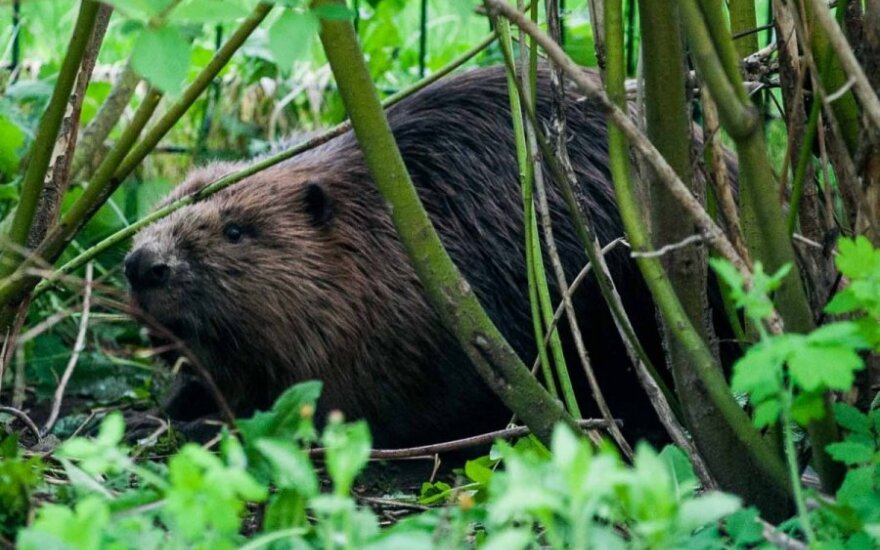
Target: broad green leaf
348 449
759 371
11 141
851 418
290 416
808 406
843 302
681 471
745 527
708 508
843 334
767 413
209 11
291 467
162 56
819 367
292 36
139 9
479 470
851 452
857 257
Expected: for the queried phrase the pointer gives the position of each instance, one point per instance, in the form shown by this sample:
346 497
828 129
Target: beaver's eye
233 233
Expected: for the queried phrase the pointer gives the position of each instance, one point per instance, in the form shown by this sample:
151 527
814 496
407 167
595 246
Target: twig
560 309
713 234
781 540
862 87
459 444
665 249
78 347
95 133
533 137
834 96
390 503
23 416
9 288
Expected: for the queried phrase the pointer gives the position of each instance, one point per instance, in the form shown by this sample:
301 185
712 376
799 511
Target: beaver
297 272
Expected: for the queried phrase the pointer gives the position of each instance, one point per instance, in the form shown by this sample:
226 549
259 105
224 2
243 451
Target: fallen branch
464 443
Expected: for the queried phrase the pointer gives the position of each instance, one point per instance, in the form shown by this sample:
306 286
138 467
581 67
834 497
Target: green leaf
209 11
139 9
729 274
348 449
807 407
11 141
767 413
745 527
681 471
479 470
291 467
842 334
759 371
79 529
857 258
851 418
292 36
851 452
843 302
290 416
819 367
708 508
162 56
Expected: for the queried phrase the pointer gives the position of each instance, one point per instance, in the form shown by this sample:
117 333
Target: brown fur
319 285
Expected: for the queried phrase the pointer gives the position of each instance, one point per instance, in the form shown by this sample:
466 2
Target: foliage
569 497
18 479
261 489
785 376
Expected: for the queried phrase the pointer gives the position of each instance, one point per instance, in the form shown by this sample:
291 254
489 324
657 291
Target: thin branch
862 86
666 249
718 389
96 132
464 443
23 416
18 282
50 122
78 348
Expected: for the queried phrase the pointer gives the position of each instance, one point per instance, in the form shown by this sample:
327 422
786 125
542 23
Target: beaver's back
457 141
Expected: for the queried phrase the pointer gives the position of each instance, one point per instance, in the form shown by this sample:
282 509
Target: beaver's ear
317 204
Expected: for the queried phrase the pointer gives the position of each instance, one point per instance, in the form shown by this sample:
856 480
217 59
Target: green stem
738 116
530 227
100 189
119 163
452 298
742 20
586 235
534 260
688 338
785 397
805 157
80 260
44 142
763 222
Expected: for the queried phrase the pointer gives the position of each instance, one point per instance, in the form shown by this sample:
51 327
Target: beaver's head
252 257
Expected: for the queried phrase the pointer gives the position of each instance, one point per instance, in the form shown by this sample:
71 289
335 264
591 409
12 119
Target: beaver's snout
145 269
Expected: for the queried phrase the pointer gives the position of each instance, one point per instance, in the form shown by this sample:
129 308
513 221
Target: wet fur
320 287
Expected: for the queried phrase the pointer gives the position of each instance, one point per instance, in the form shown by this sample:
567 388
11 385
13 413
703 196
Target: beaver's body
297 273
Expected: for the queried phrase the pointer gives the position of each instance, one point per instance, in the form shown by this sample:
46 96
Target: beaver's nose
145 269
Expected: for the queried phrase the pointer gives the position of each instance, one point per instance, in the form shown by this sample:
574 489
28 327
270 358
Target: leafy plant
564 497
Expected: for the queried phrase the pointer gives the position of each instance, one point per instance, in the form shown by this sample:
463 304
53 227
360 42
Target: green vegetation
87 152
